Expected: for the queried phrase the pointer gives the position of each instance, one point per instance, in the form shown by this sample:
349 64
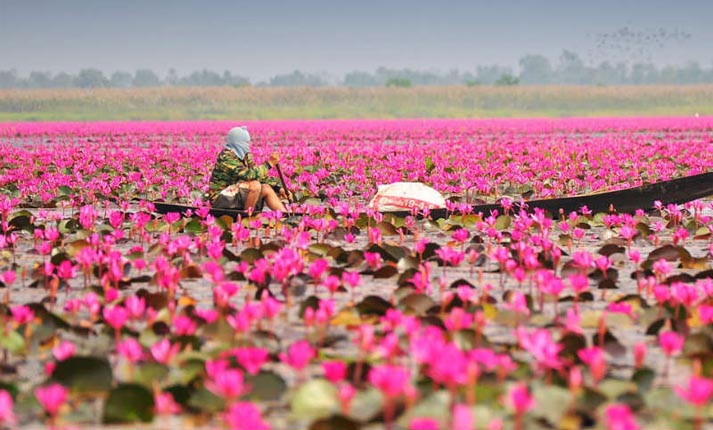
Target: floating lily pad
128 403
84 374
551 403
417 304
385 272
366 405
266 386
698 345
250 255
315 399
311 302
373 305
193 226
12 341
644 379
387 229
150 373
335 422
435 405
204 400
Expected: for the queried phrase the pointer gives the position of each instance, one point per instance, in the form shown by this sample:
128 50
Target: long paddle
282 180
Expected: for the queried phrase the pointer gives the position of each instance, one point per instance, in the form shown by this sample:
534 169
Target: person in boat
238 183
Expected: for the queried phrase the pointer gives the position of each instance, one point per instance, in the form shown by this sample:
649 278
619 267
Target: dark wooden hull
680 190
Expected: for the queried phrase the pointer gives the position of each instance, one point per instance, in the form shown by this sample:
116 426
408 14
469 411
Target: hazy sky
258 38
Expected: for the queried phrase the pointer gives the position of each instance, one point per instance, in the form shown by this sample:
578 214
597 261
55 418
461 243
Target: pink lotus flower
519 398
390 380
373 260
332 283
22 314
165 404
424 424
698 392
7 417
298 355
463 418
539 343
251 358
622 308
163 352
671 343
458 319
346 393
66 270
63 351
115 316
334 371
116 218
705 313
317 268
208 315
662 268
130 349
245 416
351 279
227 383
135 306
8 277
184 326
51 398
620 417
594 358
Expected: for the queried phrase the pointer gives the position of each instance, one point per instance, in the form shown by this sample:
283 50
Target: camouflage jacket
229 170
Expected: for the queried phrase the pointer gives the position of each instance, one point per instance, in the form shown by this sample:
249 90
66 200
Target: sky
261 38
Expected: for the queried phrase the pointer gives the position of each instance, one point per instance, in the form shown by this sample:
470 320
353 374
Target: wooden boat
676 191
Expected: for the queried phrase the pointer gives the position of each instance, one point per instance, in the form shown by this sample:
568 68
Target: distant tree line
95 78
532 70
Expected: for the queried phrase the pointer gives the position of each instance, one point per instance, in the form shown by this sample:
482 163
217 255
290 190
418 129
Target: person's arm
244 172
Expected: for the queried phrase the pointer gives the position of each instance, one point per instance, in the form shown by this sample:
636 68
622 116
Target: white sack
404 196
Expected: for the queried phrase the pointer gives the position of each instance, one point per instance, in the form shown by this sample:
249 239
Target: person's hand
274 159
286 194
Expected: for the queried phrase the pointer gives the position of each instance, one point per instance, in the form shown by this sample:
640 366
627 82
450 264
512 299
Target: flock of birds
628 44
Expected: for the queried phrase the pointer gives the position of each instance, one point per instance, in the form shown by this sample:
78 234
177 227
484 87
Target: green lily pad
335 422
149 373
644 379
266 386
435 405
250 255
698 345
385 272
416 303
204 400
129 403
12 341
366 405
664 399
387 229
315 399
84 374
373 305
551 403
503 222
613 388
193 226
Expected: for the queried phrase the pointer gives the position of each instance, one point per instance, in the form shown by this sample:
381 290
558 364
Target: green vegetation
507 80
246 103
399 82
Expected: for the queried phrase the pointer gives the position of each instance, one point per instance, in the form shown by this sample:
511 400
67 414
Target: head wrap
238 141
